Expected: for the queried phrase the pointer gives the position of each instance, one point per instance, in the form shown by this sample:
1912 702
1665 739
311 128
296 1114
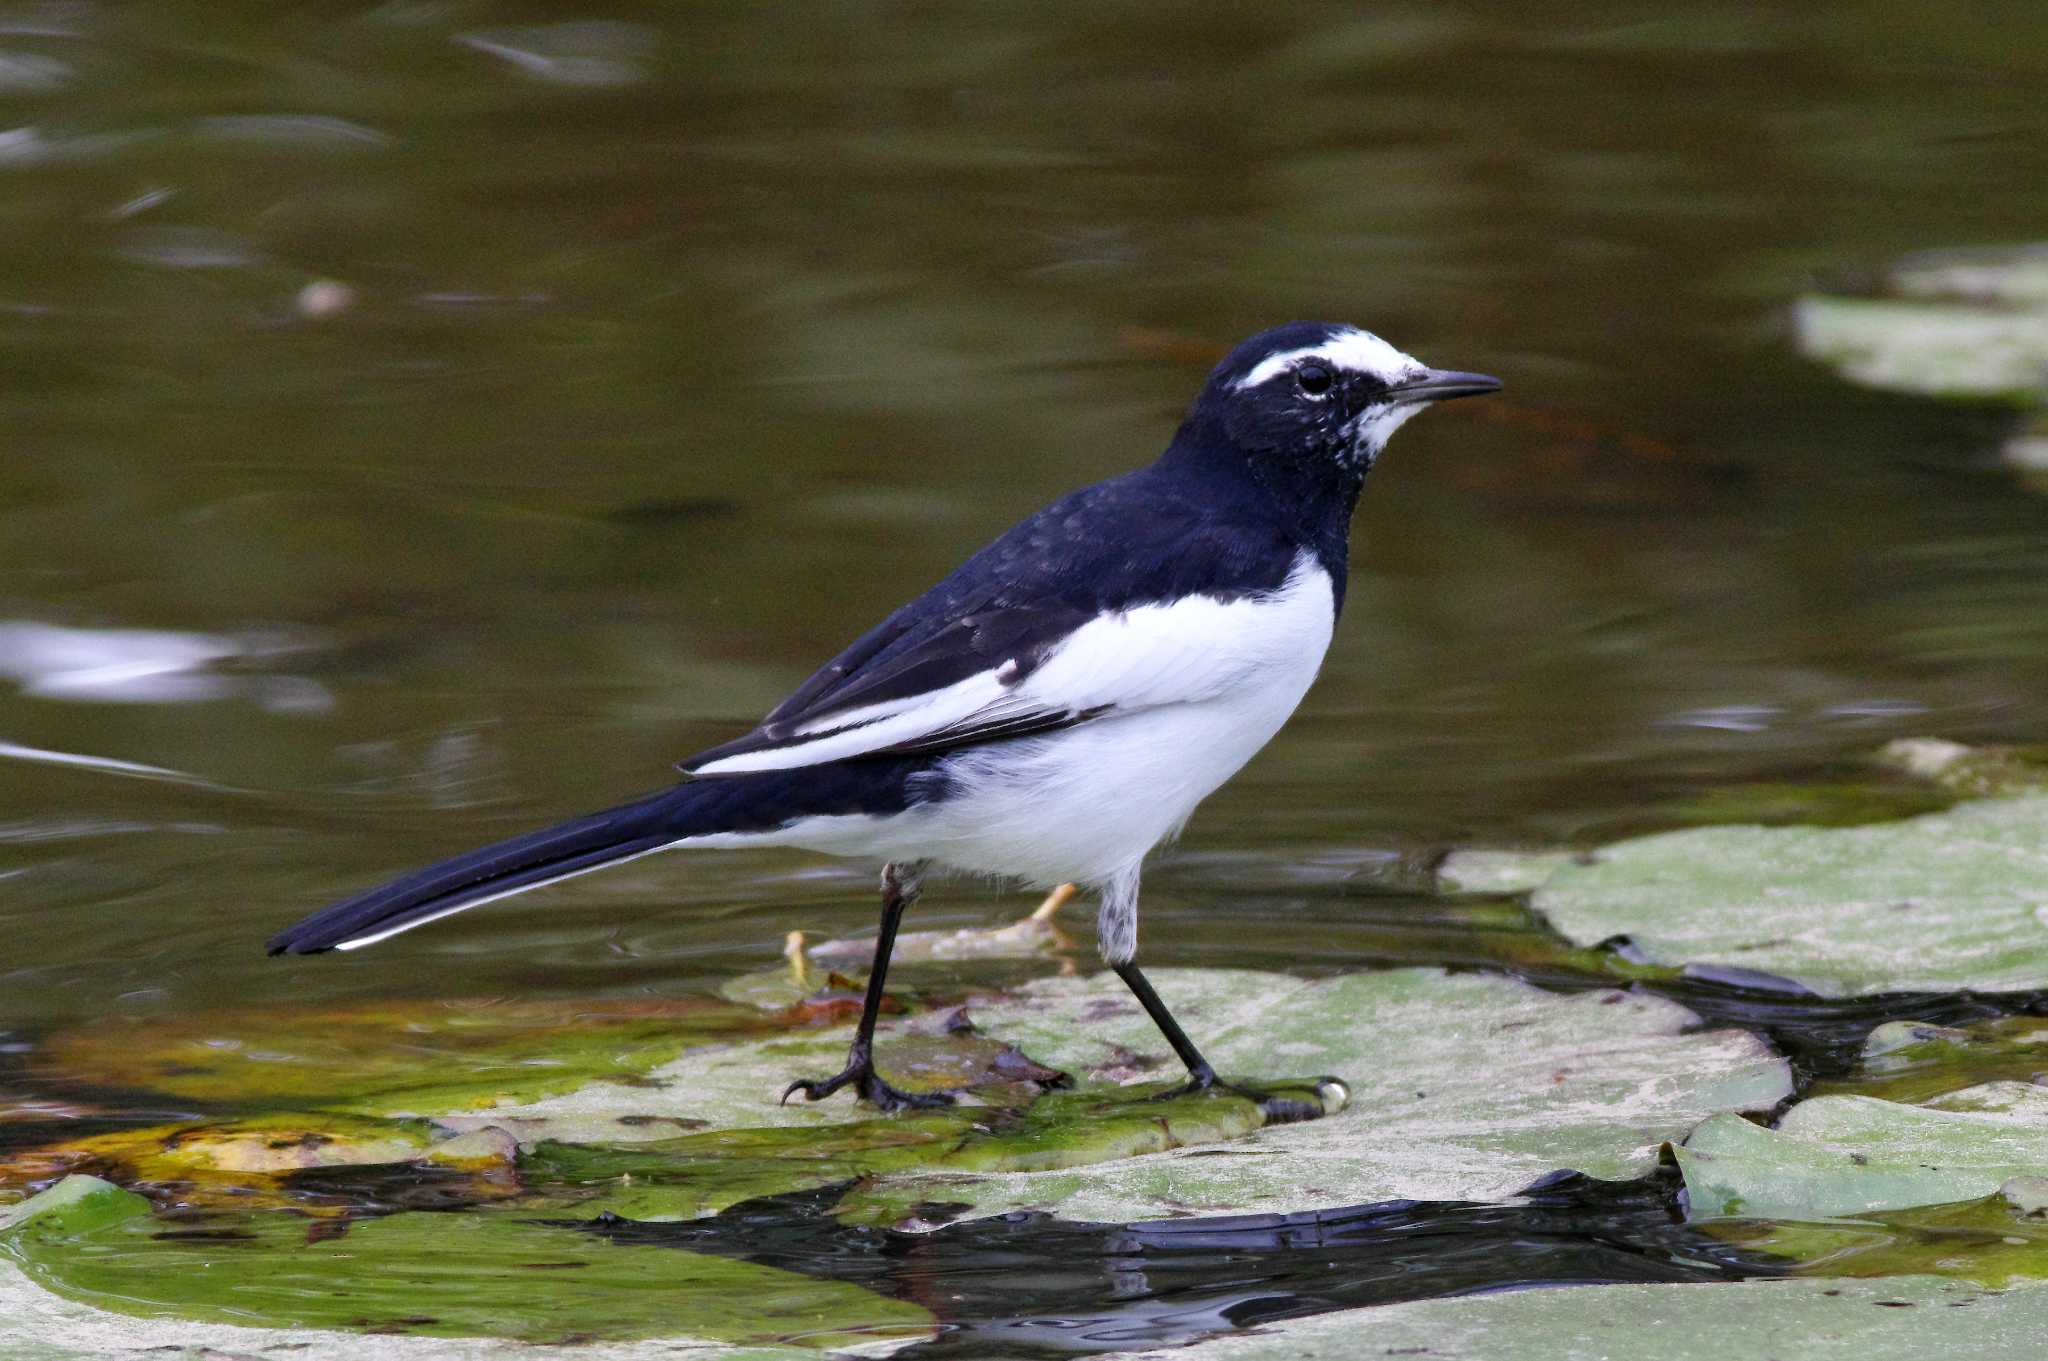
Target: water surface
427 420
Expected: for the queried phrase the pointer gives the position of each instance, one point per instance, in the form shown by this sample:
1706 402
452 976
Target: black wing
954 667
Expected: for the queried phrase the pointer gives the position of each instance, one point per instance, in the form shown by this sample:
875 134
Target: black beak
1440 385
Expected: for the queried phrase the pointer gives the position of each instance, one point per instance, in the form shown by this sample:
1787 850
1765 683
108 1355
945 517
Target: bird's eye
1313 379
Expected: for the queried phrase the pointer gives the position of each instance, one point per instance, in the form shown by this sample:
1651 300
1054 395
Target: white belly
1086 804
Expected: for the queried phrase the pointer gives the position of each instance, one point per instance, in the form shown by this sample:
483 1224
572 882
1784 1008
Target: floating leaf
1913 1061
1933 348
1957 899
1991 1241
396 1058
474 1275
699 1174
1463 1087
1833 1156
1909 1318
248 1162
1497 871
1975 771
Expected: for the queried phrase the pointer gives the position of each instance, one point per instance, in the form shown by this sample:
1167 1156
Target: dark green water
674 349
680 347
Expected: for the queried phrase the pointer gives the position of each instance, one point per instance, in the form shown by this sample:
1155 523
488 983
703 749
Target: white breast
1085 804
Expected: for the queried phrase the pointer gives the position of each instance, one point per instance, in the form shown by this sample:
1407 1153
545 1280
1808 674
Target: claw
1278 1109
868 1086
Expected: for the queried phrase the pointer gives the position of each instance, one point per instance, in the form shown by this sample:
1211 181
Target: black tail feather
574 847
757 804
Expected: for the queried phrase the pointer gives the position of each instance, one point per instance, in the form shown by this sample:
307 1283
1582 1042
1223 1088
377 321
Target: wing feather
1179 652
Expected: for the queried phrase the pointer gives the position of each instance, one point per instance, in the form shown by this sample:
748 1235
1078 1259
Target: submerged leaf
1990 1241
397 1058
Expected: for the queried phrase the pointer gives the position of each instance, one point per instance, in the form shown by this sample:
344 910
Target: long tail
572 848
747 806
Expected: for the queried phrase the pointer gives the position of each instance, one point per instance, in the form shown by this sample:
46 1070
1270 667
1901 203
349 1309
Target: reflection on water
144 666
1033 1286
489 410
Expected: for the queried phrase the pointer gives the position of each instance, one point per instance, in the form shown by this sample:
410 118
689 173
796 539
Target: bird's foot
1280 1108
860 1074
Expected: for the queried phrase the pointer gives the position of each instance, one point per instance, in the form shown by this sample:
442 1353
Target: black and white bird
1052 710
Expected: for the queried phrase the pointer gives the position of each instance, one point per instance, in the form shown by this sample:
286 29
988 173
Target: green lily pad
1957 899
393 1059
1991 1241
76 1204
1907 1318
699 1174
1464 1087
476 1275
1913 1061
247 1163
1499 871
1835 1156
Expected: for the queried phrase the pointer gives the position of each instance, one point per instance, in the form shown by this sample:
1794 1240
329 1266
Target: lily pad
1960 323
1836 1156
398 1059
1464 1087
1913 1061
1499 871
1935 348
1957 899
1905 1318
1991 1241
245 1163
1974 771
699 1174
475 1275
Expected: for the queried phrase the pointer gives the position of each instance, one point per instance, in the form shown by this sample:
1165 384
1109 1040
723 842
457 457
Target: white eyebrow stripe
1357 351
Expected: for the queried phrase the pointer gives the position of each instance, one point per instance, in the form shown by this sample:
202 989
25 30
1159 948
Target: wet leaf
474 1275
1462 1086
397 1058
252 1162
1499 871
1939 902
1912 1061
1977 772
1906 1318
74 1205
1990 1241
699 1174
1835 1156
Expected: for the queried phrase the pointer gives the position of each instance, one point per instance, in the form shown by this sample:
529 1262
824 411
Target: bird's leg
1201 1077
900 884
1279 1110
1117 927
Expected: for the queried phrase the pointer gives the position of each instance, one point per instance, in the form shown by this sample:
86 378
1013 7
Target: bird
1052 710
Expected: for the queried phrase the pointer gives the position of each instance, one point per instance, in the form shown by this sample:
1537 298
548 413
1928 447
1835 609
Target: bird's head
1313 400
